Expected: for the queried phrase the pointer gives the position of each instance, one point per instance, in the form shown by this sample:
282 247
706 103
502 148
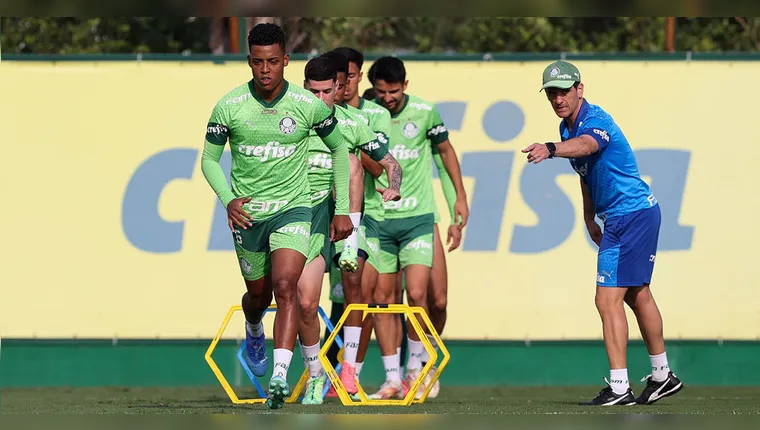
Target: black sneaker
607 397
656 390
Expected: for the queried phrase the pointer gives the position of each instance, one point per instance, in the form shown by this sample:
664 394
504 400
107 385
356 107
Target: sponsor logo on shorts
373 247
401 152
419 244
259 206
294 230
272 150
337 291
245 266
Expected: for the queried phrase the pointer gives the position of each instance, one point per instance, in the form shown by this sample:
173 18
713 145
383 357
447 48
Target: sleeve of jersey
217 134
333 139
382 127
597 129
437 133
449 191
374 144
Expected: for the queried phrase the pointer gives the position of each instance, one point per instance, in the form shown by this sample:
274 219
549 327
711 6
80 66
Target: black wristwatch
552 148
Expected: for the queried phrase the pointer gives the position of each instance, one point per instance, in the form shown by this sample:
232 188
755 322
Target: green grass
492 400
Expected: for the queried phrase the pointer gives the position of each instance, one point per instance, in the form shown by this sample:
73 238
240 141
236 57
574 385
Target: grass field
494 400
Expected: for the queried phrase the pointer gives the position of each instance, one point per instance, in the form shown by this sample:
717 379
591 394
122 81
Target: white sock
282 359
619 380
352 335
415 354
660 368
400 367
391 363
303 354
311 358
353 238
358 369
254 330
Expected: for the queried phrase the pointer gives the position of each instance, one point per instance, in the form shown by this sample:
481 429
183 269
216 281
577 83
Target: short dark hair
389 69
339 61
266 34
371 73
369 94
352 55
320 69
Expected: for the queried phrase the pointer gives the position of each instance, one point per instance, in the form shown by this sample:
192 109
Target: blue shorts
629 246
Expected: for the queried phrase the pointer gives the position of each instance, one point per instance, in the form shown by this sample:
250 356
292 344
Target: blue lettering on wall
142 223
555 212
491 171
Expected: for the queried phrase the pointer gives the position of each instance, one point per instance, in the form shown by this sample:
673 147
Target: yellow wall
74 134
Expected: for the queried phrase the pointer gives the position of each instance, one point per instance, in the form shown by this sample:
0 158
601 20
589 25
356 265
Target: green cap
560 74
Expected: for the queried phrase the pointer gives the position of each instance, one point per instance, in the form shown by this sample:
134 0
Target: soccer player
267 122
369 246
379 119
321 78
613 190
437 288
406 234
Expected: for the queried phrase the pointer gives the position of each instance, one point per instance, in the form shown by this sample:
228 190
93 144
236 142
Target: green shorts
253 246
436 214
368 240
319 242
406 241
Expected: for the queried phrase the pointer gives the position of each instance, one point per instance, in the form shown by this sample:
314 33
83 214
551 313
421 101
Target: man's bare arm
371 166
588 203
393 171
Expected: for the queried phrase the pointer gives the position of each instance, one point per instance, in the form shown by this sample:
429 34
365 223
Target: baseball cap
560 74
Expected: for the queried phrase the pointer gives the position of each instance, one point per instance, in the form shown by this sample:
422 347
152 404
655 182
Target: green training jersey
357 137
415 131
269 143
379 120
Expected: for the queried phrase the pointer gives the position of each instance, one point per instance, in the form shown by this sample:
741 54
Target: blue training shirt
611 174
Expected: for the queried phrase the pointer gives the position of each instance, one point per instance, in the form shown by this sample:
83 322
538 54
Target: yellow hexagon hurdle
409 399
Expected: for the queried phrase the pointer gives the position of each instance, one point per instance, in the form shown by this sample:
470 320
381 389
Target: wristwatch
552 148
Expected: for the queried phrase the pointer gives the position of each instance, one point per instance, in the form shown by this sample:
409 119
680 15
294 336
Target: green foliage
103 35
389 34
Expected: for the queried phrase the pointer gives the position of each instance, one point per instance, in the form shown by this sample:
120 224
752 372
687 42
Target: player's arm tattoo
394 171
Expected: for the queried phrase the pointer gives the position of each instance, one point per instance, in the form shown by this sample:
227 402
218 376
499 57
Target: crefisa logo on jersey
288 125
410 130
